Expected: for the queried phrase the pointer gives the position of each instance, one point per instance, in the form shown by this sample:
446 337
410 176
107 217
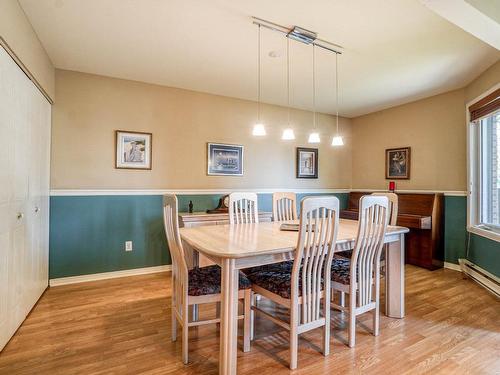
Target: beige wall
16 30
484 82
434 128
89 108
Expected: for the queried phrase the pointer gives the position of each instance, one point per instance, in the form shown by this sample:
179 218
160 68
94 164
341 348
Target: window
484 166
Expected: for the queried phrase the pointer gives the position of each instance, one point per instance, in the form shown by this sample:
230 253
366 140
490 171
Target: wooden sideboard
423 215
202 218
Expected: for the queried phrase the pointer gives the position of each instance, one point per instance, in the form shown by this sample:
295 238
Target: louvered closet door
24 120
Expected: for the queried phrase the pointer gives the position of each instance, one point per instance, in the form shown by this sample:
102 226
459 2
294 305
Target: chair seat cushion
281 266
348 254
274 280
341 268
206 280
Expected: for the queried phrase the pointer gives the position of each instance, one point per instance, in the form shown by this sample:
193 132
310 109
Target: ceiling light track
300 34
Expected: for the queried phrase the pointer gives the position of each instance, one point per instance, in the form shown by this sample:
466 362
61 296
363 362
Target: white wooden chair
284 206
393 206
195 286
301 285
360 276
243 208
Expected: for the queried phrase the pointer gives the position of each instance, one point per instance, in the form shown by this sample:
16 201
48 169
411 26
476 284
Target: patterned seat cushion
206 280
341 270
275 280
348 254
281 266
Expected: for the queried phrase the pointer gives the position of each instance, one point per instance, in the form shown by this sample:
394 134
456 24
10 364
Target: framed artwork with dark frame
397 163
133 150
307 162
224 159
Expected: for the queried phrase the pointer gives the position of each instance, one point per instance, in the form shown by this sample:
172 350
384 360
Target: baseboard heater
481 276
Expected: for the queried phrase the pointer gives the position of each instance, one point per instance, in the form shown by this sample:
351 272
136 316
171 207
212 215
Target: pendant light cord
314 86
288 77
337 90
258 79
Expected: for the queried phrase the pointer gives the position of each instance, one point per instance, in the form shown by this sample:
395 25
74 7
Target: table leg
229 318
395 279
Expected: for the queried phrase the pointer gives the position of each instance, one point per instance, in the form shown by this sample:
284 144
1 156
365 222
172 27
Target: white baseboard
108 275
453 266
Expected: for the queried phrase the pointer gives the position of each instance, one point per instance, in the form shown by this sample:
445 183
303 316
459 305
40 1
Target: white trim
452 266
481 276
489 234
88 192
448 193
472 174
92 192
108 275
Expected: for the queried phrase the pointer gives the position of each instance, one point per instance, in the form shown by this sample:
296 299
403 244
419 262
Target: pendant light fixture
288 134
259 129
314 136
337 139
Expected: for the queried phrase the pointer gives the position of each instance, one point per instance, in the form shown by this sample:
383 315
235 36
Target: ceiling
395 51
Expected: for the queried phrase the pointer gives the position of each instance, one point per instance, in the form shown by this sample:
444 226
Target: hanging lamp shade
288 135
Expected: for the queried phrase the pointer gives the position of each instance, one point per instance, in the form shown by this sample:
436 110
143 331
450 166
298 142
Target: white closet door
24 168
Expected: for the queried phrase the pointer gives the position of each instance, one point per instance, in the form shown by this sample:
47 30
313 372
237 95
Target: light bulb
259 130
288 135
314 138
337 141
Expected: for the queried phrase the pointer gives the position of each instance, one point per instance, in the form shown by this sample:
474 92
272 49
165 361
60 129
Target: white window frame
474 177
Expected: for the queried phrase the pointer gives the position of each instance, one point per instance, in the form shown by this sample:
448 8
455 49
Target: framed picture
225 160
307 162
133 150
397 163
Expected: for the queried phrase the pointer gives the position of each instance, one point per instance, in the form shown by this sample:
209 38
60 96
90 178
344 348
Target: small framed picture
225 160
397 163
133 150
307 162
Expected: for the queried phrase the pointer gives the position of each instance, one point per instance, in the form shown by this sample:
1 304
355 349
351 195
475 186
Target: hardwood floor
122 326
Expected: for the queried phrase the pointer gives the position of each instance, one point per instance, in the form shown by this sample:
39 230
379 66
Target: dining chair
393 206
284 206
303 286
393 218
198 285
360 276
243 208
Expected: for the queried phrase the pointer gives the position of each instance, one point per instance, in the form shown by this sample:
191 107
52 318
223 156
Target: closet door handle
20 215
37 209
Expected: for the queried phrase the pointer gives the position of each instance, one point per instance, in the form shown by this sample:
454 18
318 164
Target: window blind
485 106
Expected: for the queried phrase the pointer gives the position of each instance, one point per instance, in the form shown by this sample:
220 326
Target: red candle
392 186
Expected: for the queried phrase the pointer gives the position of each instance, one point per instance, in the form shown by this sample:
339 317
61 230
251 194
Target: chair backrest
393 206
171 223
365 259
243 208
319 219
284 206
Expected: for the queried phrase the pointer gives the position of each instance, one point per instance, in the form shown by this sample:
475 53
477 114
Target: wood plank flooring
122 326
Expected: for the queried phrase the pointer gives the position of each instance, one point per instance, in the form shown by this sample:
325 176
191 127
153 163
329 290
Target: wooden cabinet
196 219
24 195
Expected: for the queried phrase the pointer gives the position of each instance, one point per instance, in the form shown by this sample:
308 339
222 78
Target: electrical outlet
128 245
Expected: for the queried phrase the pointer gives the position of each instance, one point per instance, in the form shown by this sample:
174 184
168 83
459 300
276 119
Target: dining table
239 246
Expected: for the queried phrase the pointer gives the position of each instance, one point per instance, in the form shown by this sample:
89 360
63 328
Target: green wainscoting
482 251
88 233
455 223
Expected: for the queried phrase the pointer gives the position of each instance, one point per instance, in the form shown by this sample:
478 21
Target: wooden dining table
239 246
